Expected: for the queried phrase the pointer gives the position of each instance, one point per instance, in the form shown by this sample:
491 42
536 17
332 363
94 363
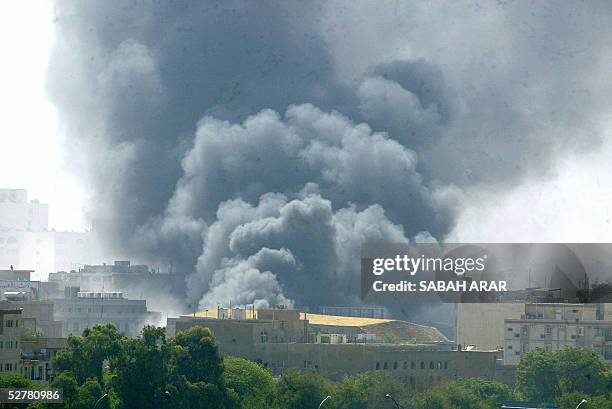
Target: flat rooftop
342 321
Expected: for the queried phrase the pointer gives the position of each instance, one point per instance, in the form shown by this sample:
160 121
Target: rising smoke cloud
255 146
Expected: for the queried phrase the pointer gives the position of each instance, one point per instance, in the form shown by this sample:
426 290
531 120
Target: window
405 365
377 365
386 366
263 337
510 329
9 323
439 365
525 330
395 365
412 365
548 330
431 365
422 365
445 364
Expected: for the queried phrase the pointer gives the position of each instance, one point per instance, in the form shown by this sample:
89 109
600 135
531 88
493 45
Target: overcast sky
31 139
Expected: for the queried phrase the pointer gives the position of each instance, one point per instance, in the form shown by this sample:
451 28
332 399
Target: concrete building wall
557 311
526 335
482 324
10 340
44 251
413 365
76 314
418 366
41 316
37 357
32 216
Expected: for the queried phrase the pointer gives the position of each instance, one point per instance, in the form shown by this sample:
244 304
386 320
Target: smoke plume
254 146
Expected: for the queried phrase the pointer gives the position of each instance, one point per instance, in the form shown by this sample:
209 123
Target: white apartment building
17 213
27 242
83 309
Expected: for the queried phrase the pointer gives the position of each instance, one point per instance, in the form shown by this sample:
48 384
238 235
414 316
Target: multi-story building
17 213
282 339
83 309
133 280
481 325
10 340
552 327
27 241
38 317
37 355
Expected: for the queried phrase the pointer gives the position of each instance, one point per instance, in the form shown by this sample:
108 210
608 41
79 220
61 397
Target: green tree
581 370
88 394
492 393
253 384
448 396
196 356
67 382
301 389
570 400
537 376
15 380
140 372
367 390
548 376
84 356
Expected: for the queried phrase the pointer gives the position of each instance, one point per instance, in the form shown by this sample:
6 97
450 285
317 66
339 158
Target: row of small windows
12 323
422 365
8 367
9 344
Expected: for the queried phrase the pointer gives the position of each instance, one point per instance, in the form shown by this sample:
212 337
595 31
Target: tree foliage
299 389
547 376
367 391
253 384
85 355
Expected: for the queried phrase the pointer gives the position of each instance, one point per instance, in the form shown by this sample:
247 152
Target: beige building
21 351
480 326
552 327
38 317
37 354
10 340
281 339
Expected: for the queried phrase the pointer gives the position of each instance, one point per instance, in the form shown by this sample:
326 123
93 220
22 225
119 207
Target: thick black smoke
254 146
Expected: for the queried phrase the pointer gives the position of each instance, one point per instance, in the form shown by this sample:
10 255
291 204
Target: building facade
481 325
282 339
82 309
10 340
37 353
552 327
